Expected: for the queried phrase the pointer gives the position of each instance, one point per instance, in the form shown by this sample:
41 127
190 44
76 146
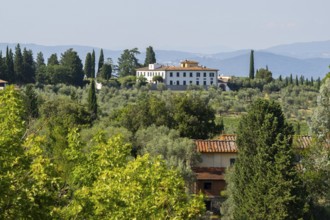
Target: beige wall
216 159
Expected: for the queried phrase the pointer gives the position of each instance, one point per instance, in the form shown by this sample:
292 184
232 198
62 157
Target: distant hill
308 59
319 49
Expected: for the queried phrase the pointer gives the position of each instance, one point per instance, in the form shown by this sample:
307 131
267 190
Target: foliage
127 62
72 62
251 72
265 184
88 67
150 56
105 71
264 74
179 153
92 101
31 101
101 61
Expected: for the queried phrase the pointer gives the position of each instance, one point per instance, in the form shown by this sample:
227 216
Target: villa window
198 74
178 74
211 74
232 161
184 74
178 82
204 83
197 82
171 82
190 82
171 74
190 74
204 74
184 82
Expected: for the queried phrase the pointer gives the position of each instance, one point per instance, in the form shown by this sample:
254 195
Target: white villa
188 73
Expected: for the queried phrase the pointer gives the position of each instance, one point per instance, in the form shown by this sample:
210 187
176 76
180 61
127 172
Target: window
178 82
190 82
190 74
184 82
207 185
211 74
198 74
184 74
171 74
232 161
204 74
178 74
211 82
197 82
171 82
204 83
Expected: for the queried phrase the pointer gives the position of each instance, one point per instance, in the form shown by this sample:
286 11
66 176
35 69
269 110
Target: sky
189 25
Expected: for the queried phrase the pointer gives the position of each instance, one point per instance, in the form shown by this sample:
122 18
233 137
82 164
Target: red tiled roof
216 146
3 81
177 68
209 173
227 144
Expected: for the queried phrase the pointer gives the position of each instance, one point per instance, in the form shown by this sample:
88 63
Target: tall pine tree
93 63
28 66
18 64
9 66
88 68
101 61
264 183
150 56
251 73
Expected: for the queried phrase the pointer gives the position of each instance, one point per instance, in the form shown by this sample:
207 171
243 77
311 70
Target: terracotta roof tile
177 68
227 144
216 146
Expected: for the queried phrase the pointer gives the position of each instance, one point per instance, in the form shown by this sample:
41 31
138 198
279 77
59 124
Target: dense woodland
68 150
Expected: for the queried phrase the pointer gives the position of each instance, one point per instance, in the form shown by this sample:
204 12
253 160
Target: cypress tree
88 68
251 75
9 66
93 63
92 101
291 79
297 81
2 72
18 64
101 61
264 183
40 60
150 56
28 66
31 101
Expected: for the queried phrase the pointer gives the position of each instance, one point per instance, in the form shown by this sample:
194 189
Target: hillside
309 59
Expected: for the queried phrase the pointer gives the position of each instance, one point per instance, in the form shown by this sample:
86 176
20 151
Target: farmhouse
179 77
217 155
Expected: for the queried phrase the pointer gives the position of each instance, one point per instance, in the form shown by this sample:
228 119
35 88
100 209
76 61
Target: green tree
157 79
41 69
251 73
71 60
31 101
92 101
53 60
28 66
2 67
141 188
12 161
88 68
150 56
127 62
9 66
264 183
105 72
93 62
18 64
101 60
265 75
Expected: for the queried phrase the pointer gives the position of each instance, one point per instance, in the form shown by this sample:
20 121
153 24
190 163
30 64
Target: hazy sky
191 25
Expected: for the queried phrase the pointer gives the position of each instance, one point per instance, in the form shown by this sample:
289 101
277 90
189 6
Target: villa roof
177 68
3 81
